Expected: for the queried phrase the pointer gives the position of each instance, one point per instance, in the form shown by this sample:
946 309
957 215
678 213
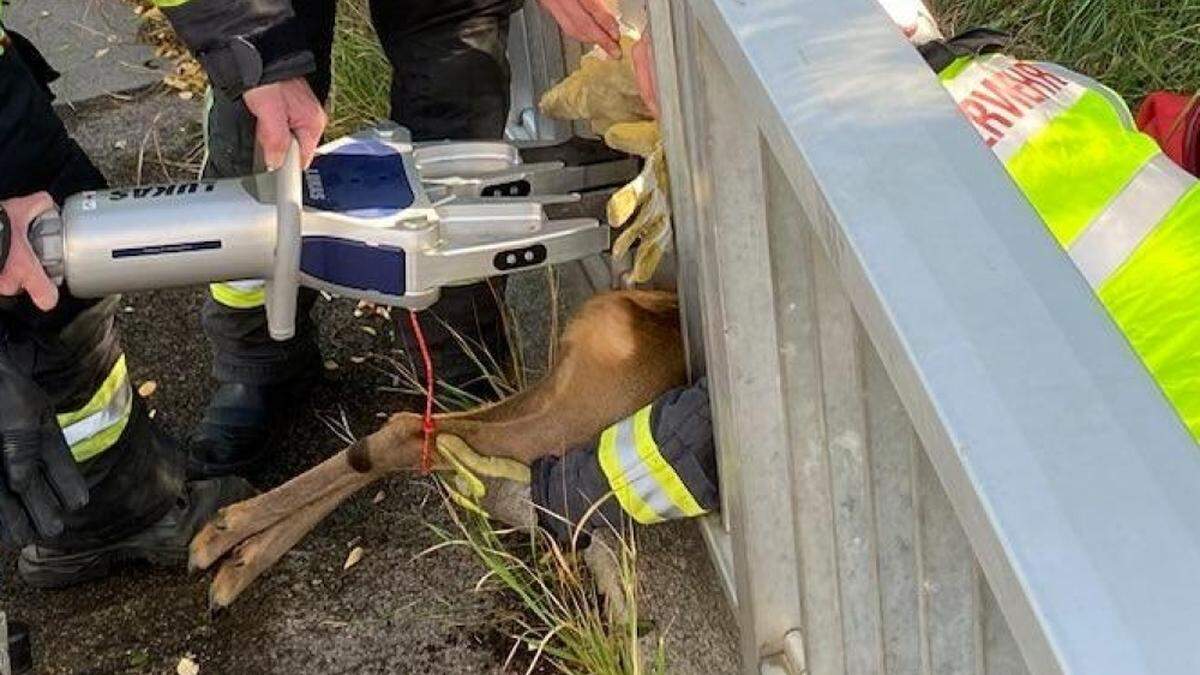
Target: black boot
163 543
20 649
232 439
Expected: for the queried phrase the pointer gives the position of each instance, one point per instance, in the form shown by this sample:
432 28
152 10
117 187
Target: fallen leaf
379 496
101 52
187 667
147 388
331 365
353 559
369 330
358 359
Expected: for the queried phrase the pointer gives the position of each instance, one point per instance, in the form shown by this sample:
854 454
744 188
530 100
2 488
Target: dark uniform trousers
450 80
73 350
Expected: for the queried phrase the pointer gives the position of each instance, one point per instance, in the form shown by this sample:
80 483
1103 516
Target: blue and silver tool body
374 218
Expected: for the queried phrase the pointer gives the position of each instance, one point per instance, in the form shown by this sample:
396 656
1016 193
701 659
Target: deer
620 351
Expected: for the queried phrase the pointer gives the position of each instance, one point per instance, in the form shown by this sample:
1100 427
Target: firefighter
86 481
1123 211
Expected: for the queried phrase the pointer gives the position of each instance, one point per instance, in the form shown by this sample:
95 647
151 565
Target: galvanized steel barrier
938 455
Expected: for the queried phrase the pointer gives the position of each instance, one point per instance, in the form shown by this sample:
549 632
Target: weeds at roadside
1133 46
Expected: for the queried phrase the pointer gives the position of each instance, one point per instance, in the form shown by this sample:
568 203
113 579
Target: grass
1133 46
565 623
361 74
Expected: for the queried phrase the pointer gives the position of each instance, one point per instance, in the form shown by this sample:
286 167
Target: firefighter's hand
39 480
494 487
283 110
587 21
642 55
22 272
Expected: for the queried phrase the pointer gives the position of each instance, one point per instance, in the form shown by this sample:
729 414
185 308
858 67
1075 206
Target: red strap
428 426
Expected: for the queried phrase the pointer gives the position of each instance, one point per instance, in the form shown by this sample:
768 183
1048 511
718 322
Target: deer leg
621 352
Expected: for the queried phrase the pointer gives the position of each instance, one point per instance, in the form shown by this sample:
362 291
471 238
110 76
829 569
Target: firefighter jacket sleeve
35 151
657 465
242 44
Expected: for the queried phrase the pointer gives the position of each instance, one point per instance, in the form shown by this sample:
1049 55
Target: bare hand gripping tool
375 217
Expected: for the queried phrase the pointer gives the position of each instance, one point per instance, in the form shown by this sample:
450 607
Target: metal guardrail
938 455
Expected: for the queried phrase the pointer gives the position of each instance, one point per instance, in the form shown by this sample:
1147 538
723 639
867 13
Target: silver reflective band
118 409
637 474
1115 234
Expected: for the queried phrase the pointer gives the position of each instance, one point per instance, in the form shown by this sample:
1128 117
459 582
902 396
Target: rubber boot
163 543
233 436
20 648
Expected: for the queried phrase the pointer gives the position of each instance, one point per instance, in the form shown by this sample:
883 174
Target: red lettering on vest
992 124
1005 97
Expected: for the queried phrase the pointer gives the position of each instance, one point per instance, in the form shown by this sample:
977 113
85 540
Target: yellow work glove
493 487
603 92
643 209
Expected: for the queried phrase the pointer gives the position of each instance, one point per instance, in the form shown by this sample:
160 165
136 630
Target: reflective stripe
645 484
1116 233
245 294
99 423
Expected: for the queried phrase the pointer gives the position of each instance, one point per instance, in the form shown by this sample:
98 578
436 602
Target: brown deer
621 351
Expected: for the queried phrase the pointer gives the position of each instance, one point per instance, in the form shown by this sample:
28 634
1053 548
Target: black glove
38 475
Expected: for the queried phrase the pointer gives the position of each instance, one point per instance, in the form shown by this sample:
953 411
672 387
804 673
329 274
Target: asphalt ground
395 612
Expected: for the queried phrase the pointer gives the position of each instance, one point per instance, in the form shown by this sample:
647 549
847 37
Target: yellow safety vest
1127 215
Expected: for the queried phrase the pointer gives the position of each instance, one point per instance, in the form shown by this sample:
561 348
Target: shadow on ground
396 611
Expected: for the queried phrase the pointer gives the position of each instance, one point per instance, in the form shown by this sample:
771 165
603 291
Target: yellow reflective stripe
622 486
645 483
1153 296
660 469
239 295
94 428
100 400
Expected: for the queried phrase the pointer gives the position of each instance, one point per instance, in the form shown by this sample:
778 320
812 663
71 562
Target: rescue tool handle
45 238
283 285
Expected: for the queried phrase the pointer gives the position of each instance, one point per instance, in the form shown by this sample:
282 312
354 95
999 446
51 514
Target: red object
1174 121
429 426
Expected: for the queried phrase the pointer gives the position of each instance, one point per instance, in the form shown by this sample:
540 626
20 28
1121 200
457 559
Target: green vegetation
1133 46
361 74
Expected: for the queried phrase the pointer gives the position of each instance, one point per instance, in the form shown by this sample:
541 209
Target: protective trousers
450 80
73 352
657 465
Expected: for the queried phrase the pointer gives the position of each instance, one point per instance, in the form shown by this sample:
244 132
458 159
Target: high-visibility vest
1127 215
